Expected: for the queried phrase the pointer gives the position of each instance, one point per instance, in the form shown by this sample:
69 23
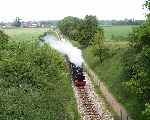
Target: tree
98 43
3 40
137 62
17 22
69 27
88 30
147 4
146 112
81 30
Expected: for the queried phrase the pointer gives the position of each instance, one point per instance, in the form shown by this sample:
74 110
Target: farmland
110 32
25 33
117 33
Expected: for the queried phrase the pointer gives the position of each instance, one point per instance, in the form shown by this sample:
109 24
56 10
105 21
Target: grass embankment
34 81
111 72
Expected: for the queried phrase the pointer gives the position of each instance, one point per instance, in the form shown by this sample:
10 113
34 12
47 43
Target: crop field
25 33
117 33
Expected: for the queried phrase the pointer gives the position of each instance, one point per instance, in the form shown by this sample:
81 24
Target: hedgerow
34 83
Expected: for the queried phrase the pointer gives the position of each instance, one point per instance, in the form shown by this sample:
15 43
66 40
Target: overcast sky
57 9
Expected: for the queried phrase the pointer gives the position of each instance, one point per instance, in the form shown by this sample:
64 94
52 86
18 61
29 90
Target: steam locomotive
77 75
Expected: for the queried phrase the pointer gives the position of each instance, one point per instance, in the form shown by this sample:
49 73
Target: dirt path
111 100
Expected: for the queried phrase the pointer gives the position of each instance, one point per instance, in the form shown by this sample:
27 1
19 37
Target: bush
136 65
136 62
3 40
146 112
81 30
34 84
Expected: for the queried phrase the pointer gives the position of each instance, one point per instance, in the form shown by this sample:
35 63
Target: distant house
33 25
30 24
53 27
5 25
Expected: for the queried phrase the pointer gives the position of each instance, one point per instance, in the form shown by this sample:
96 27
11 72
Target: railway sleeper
86 100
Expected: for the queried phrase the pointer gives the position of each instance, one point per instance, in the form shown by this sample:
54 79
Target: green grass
34 81
111 72
25 33
117 33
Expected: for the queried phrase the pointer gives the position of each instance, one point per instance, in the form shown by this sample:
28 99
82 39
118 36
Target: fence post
127 117
121 114
98 83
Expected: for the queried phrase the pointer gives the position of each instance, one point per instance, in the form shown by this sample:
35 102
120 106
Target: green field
25 33
117 33
34 80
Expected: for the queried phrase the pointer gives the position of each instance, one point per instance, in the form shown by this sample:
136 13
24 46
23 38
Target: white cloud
57 9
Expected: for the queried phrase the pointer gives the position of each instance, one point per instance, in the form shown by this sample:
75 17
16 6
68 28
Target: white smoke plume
65 47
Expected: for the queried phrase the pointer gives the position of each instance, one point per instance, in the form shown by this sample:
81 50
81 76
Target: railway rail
90 106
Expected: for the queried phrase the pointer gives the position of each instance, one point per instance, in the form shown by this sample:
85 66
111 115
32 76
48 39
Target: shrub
3 40
146 112
34 84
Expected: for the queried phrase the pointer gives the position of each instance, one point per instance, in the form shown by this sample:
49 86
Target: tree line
121 22
137 62
81 30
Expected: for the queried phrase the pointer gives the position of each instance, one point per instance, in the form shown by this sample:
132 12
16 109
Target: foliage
147 4
17 22
30 76
121 22
111 71
137 62
98 45
81 30
69 27
3 40
146 112
88 30
126 71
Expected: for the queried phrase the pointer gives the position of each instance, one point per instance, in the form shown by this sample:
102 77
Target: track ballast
90 106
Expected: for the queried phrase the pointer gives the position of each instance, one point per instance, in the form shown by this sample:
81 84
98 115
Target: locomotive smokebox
77 75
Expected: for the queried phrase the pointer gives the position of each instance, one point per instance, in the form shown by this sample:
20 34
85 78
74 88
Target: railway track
90 106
